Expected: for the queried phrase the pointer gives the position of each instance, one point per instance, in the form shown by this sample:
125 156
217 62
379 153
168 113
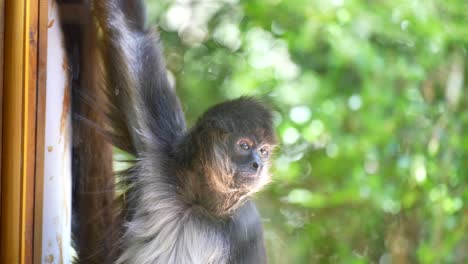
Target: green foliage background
371 109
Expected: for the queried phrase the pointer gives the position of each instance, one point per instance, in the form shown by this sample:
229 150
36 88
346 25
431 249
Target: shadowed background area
370 102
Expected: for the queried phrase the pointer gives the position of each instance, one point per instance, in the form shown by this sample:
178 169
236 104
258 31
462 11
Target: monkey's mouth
247 177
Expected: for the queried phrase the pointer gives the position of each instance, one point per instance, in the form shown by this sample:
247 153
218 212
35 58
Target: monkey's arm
144 110
246 236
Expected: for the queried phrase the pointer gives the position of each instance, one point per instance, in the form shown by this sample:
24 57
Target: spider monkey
187 190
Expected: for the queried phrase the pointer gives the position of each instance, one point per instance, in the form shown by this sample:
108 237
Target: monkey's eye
264 151
244 145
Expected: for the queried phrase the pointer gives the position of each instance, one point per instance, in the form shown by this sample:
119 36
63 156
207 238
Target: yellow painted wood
19 130
2 15
26 130
12 130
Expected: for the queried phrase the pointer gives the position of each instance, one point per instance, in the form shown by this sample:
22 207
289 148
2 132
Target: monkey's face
250 158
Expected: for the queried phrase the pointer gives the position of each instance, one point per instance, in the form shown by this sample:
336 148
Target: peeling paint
65 108
51 23
49 258
65 65
59 243
57 160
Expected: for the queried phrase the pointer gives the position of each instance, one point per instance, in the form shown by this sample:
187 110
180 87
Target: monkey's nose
257 165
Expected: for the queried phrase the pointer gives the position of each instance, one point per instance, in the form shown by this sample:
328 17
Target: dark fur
184 204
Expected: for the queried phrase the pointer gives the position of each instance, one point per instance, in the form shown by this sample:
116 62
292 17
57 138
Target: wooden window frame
23 102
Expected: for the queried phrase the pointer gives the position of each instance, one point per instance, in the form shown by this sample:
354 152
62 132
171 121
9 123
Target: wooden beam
19 131
29 133
2 20
12 130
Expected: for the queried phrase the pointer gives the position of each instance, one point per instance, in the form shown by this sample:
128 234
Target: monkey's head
232 145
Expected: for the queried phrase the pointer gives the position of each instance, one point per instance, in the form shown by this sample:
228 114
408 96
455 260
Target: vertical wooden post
2 20
10 244
19 50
